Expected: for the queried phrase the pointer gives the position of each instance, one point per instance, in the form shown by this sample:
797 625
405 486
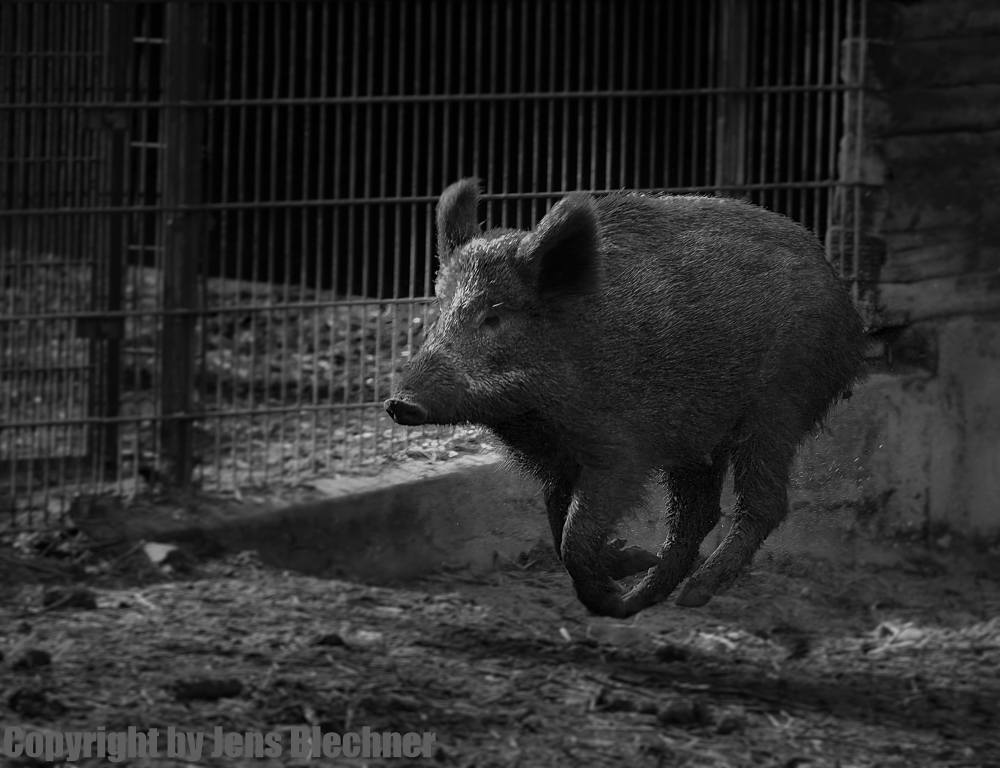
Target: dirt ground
801 664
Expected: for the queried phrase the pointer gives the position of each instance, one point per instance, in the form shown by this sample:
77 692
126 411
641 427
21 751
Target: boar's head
507 299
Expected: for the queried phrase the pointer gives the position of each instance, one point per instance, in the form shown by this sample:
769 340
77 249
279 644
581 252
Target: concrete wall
937 428
925 156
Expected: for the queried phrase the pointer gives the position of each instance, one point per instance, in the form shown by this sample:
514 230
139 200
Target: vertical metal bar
277 211
96 145
7 10
442 87
321 194
551 113
38 275
29 248
39 367
397 219
255 212
505 128
833 104
666 75
731 108
7 338
566 69
536 107
8 450
426 28
711 11
183 243
683 151
246 174
60 284
366 175
638 180
502 84
420 141
522 145
119 20
433 134
698 169
795 116
781 122
353 189
225 115
862 56
143 143
627 105
462 107
507 157
98 140
364 371
405 109
491 121
410 85
698 127
9 237
286 56
338 186
582 85
821 140
595 105
766 198
812 76
612 103
841 101
304 215
477 123
753 143
396 311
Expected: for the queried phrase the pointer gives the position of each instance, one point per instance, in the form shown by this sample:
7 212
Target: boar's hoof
605 605
407 414
622 561
693 596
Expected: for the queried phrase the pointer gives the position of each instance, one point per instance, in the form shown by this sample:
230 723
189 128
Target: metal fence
216 216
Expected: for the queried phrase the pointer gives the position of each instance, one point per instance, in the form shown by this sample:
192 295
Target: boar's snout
407 414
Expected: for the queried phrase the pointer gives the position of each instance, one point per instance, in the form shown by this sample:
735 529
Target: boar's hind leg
600 499
693 510
761 467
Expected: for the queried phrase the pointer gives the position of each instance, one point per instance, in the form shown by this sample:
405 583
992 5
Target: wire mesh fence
216 216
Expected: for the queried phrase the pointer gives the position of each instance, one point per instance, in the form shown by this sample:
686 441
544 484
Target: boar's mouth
406 413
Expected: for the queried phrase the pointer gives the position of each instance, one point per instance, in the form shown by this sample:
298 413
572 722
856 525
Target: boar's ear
564 251
456 216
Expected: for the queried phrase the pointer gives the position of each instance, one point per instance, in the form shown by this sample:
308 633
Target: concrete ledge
461 513
888 462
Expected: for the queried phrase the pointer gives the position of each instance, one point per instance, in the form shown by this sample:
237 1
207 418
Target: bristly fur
633 335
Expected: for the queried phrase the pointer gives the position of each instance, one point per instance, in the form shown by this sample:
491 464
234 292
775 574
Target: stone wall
923 148
928 157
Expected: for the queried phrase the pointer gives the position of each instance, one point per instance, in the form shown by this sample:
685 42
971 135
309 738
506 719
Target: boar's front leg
600 498
621 561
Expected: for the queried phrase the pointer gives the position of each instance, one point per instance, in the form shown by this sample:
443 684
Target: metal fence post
731 117
108 286
184 134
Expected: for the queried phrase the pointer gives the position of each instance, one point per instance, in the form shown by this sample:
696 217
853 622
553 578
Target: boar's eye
490 320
